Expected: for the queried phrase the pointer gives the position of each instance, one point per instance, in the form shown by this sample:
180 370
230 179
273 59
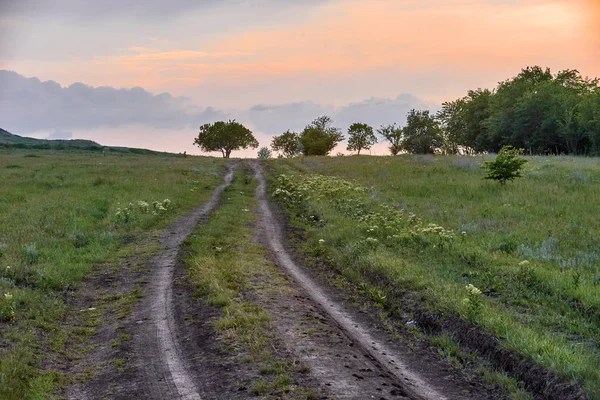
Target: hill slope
8 139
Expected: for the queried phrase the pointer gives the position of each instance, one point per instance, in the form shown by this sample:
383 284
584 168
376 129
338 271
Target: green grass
225 265
426 227
58 220
548 215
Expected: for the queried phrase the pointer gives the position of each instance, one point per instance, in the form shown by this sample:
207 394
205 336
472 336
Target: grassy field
62 214
521 261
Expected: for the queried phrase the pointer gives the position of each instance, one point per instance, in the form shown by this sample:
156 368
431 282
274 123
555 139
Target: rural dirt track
161 370
171 378
174 352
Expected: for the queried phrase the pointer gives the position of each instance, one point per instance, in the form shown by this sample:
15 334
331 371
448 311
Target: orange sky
347 38
594 8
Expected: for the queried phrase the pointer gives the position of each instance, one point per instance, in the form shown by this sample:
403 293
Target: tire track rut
162 334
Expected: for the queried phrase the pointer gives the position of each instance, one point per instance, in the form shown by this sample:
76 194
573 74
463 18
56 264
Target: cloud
379 111
274 119
28 105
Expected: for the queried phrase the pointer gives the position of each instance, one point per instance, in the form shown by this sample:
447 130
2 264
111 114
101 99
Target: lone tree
225 137
422 134
507 165
264 153
360 136
288 143
319 138
394 135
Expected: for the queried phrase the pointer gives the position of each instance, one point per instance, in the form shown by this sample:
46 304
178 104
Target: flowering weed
472 301
130 213
7 307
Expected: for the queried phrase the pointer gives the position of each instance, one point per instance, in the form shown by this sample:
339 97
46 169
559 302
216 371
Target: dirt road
173 353
158 368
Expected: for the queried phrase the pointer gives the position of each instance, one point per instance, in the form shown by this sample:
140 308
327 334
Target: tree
422 133
264 153
522 113
319 138
535 110
225 137
588 121
360 136
453 124
507 165
463 122
394 135
288 143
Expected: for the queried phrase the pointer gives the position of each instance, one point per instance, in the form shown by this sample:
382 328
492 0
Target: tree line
422 134
535 110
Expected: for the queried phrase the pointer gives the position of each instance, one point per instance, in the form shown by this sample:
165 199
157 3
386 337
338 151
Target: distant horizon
111 73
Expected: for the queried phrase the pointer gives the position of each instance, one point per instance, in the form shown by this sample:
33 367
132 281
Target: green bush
264 153
507 165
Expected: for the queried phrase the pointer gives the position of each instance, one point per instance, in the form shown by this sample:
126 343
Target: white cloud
29 105
137 118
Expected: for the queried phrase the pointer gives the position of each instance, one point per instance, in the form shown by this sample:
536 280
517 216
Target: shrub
264 153
507 165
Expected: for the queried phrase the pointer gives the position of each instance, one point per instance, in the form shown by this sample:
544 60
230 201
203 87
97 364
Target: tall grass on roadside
539 307
61 213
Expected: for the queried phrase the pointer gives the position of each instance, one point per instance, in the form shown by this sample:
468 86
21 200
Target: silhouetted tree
394 135
225 137
422 133
360 136
320 137
288 143
264 153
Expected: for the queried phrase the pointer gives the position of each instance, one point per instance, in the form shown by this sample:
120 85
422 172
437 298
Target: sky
148 73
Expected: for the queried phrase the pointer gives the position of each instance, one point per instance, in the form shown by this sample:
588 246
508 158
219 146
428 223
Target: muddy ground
164 346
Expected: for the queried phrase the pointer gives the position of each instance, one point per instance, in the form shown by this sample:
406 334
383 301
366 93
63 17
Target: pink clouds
348 38
394 45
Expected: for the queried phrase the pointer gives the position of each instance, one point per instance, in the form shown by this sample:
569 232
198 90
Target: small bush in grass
507 165
264 153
